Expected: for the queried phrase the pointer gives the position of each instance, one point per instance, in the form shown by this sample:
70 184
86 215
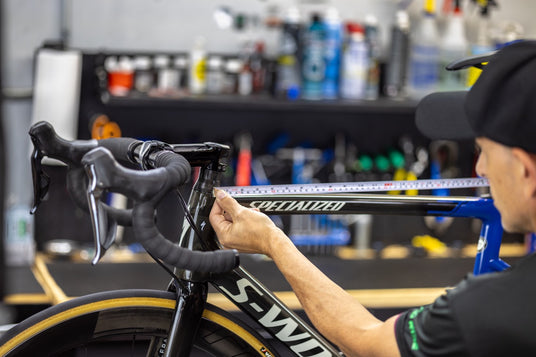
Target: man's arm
336 314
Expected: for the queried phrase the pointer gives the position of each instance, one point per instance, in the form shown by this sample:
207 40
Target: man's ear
528 161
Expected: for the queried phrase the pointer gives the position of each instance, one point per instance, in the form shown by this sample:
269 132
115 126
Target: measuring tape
346 187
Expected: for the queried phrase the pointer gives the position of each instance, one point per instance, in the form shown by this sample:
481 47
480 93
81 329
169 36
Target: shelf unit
373 126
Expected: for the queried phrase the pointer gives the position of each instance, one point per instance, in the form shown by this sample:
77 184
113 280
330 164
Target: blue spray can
313 67
332 53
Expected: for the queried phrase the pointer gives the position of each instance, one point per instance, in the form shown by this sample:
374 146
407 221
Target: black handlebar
145 188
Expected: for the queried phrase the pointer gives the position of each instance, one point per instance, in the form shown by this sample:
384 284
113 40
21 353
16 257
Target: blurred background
312 90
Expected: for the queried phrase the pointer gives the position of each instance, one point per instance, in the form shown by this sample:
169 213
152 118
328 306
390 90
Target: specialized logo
296 206
276 320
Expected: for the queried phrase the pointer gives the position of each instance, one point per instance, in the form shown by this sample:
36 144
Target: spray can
313 68
354 63
332 53
397 65
290 54
424 55
372 90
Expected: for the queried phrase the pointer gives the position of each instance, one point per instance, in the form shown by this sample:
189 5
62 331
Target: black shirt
487 315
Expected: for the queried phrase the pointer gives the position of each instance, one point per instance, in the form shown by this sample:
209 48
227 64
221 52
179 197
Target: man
488 315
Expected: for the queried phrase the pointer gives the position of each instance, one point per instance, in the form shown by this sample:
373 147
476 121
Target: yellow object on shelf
429 6
429 243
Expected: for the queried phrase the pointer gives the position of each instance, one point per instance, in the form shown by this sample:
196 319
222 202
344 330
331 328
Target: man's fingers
218 219
226 202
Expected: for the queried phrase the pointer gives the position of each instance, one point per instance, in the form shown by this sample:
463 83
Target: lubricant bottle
424 55
288 73
198 58
373 71
313 67
332 53
354 63
397 64
453 47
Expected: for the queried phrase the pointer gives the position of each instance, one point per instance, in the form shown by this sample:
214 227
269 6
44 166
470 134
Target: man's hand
242 228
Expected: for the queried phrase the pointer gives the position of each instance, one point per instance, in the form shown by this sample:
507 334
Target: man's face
497 163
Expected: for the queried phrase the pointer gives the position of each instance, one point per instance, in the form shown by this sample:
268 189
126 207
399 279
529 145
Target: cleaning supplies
198 59
424 55
482 43
397 65
453 47
332 53
354 63
290 53
313 68
373 71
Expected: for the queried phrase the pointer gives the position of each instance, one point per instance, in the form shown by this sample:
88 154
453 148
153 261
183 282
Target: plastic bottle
483 43
424 55
354 63
453 47
257 67
168 77
120 75
232 71
143 75
290 54
313 68
198 58
215 75
181 64
332 53
397 65
245 78
20 245
372 90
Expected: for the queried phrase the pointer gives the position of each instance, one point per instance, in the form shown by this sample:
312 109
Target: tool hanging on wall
102 127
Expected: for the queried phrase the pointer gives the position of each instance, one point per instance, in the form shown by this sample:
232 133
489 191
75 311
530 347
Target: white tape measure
346 187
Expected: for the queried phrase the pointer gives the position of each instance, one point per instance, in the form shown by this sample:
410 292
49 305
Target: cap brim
442 116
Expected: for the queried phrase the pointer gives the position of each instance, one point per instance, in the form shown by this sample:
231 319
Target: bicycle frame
251 297
244 290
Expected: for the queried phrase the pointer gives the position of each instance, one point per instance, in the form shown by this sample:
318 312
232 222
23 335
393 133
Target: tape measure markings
347 187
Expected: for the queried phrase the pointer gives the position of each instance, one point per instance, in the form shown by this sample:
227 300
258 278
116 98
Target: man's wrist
277 242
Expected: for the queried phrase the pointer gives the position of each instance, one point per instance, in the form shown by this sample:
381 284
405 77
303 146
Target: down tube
281 322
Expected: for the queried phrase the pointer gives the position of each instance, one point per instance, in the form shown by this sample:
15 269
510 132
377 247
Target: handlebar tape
218 261
148 187
120 148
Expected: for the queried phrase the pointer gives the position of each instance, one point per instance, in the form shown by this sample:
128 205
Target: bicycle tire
103 317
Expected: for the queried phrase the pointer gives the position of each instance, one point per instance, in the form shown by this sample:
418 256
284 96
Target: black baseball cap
500 106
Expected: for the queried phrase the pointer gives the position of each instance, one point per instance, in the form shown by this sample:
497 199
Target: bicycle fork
191 298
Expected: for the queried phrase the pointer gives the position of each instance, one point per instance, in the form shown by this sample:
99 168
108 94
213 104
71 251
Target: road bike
178 321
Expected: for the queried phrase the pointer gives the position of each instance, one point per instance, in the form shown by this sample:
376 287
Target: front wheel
125 323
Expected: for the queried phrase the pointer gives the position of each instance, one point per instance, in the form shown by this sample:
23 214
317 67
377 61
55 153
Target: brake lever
41 181
104 227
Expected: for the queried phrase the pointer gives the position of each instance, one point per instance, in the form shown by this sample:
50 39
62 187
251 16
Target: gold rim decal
82 310
238 330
